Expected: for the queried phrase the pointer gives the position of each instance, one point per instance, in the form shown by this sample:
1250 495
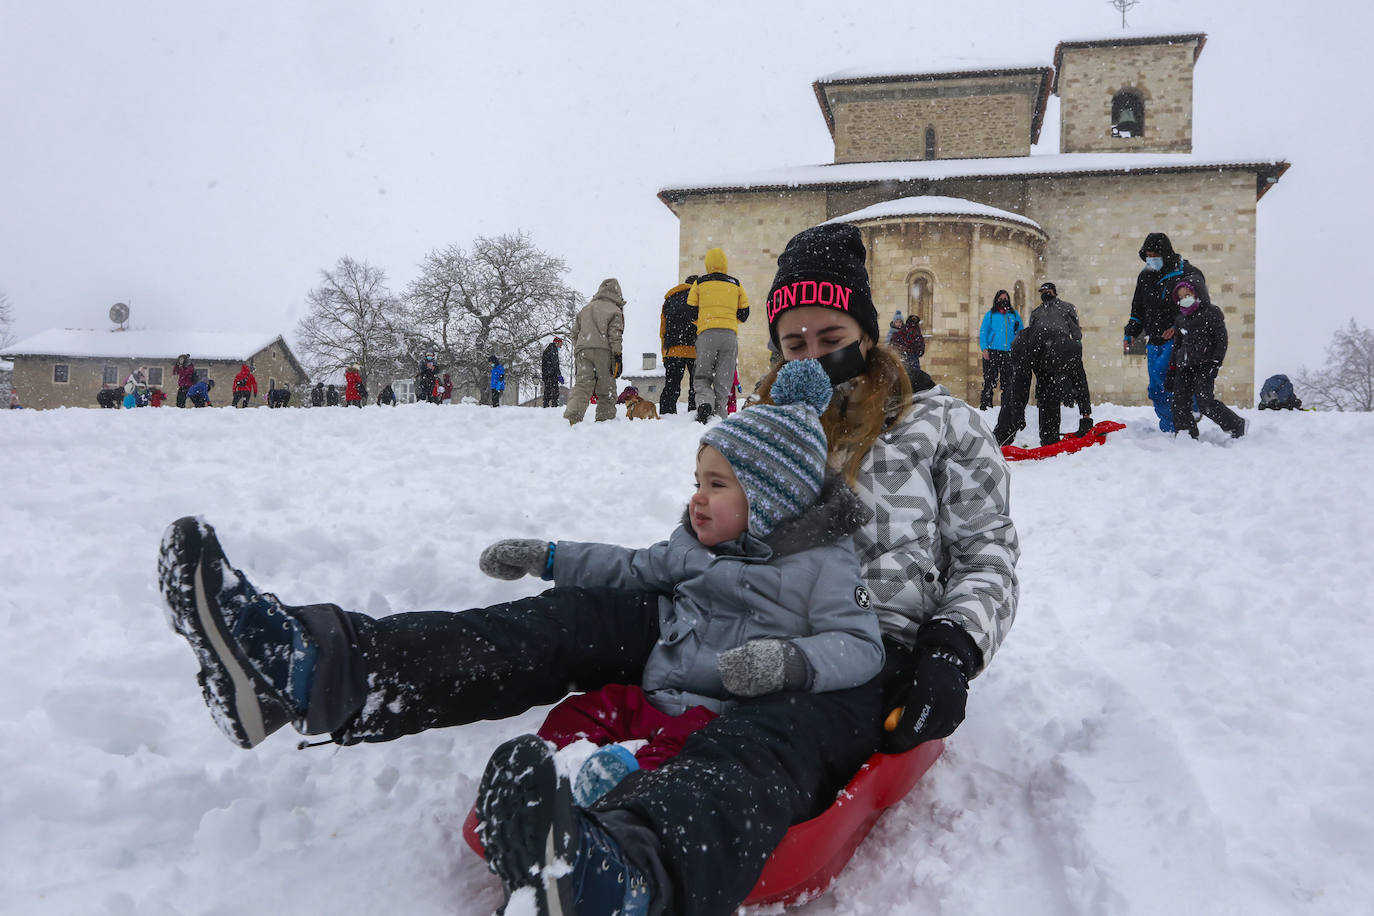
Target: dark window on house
109 376
930 143
202 374
1128 115
154 374
59 373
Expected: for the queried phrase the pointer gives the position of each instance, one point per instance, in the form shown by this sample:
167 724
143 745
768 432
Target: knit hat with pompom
778 450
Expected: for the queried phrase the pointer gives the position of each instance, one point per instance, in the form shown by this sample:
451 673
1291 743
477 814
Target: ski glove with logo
936 687
516 557
763 666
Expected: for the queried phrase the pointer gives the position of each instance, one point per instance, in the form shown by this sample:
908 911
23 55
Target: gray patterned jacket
941 543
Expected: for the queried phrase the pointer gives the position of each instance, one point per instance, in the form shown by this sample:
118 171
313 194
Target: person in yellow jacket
597 332
677 330
721 305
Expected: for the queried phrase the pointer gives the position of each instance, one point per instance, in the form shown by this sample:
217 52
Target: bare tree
1347 382
6 321
505 298
354 320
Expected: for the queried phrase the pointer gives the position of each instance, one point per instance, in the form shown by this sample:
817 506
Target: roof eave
1264 172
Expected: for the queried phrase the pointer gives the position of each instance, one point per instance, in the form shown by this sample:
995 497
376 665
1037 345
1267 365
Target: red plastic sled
814 852
1065 445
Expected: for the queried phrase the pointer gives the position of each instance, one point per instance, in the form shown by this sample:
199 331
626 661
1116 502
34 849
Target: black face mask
844 364
1047 296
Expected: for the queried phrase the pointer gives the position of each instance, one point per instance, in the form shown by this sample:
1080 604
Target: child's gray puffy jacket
802 583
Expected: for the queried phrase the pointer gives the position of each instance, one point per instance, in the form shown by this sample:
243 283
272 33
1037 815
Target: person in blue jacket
498 380
1153 313
1000 326
199 393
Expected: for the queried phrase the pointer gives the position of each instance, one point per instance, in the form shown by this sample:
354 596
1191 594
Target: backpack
1277 394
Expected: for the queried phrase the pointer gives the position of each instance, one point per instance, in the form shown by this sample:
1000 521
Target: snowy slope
1180 721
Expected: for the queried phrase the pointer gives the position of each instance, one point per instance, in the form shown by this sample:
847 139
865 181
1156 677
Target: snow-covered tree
6 321
354 319
503 297
1347 382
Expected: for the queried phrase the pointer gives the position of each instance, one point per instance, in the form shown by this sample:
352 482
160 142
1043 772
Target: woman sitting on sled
938 556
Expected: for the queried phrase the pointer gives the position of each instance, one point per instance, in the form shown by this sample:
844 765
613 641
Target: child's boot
256 657
546 849
601 772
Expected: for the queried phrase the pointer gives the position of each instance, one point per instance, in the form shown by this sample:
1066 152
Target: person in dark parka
386 396
424 381
331 396
550 372
1199 349
1153 312
317 395
677 330
1051 350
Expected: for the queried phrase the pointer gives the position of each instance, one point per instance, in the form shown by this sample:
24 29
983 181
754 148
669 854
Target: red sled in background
812 853
1065 445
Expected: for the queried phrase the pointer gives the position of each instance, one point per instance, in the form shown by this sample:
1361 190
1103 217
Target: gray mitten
514 557
763 666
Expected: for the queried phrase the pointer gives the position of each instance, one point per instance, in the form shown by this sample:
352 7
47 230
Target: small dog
636 408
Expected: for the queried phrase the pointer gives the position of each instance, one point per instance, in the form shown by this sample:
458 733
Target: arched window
1128 115
920 298
930 142
1018 299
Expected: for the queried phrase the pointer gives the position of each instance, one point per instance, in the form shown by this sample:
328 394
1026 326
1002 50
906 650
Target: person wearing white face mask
1153 312
1199 347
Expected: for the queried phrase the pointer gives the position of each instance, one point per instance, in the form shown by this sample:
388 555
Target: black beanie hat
824 266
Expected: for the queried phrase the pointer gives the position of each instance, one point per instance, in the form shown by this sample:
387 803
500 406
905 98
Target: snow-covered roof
929 68
932 205
868 173
142 343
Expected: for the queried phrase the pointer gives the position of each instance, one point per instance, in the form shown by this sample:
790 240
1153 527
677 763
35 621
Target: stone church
936 170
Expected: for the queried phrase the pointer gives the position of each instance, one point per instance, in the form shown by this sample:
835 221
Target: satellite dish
119 313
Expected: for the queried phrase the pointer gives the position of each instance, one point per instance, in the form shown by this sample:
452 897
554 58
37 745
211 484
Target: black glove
1169 375
515 557
1212 370
937 690
763 666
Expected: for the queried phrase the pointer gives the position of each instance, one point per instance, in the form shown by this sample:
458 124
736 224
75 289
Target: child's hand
763 666
515 557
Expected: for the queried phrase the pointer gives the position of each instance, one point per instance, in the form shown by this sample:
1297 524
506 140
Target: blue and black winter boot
546 849
256 658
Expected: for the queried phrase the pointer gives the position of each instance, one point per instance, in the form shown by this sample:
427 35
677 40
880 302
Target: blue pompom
802 381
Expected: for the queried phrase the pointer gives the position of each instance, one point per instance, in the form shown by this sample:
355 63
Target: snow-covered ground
1180 721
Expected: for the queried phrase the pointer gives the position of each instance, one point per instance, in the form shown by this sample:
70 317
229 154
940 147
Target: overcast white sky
204 162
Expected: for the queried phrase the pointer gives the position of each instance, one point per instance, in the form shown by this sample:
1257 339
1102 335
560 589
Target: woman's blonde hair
878 398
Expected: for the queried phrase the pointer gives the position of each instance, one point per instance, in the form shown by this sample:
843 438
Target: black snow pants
550 390
673 367
996 374
703 824
1055 363
1200 382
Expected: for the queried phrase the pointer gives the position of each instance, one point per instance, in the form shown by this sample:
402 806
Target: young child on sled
759 588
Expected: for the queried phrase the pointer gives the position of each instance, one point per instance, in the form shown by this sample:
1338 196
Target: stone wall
752 228
1094 224
1161 74
887 129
